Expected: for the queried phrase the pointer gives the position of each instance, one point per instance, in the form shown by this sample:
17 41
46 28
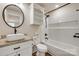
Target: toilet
41 48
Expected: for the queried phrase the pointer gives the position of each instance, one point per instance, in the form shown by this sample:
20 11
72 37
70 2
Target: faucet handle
46 34
46 38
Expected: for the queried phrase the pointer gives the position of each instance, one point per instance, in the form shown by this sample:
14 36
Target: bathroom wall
26 28
64 23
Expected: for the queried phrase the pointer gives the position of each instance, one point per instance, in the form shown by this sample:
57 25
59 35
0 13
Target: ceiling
50 6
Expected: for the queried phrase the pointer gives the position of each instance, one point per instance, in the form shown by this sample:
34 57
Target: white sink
13 37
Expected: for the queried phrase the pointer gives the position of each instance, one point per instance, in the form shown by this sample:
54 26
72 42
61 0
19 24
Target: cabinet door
27 51
14 54
36 14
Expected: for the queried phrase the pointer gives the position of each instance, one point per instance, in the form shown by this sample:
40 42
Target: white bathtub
61 49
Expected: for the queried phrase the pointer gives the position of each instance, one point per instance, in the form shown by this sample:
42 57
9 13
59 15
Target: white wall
26 28
64 23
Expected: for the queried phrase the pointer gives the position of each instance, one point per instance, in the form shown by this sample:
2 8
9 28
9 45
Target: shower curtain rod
57 8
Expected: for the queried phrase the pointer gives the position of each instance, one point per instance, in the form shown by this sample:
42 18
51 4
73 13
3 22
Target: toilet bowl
41 49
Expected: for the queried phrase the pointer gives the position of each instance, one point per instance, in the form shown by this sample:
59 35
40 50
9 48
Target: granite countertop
4 42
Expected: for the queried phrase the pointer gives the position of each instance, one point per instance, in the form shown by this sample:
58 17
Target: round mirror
13 16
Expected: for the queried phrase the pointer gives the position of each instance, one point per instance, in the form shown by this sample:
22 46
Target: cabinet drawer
14 54
14 48
9 49
27 51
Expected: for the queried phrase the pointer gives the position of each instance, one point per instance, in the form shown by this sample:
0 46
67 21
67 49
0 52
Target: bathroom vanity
14 44
16 48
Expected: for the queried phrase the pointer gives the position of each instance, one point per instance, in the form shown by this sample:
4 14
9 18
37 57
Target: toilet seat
41 48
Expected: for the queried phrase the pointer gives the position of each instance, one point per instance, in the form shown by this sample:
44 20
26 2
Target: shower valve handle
76 35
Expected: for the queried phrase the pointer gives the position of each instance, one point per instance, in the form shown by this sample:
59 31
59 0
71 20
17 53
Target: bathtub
57 48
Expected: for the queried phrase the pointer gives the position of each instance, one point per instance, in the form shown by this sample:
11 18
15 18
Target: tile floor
46 54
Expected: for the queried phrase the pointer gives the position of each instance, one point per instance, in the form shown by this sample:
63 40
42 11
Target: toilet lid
42 46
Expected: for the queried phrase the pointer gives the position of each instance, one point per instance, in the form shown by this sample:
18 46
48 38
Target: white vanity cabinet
36 14
20 49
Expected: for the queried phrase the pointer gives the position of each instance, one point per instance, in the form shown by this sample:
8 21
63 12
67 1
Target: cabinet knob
18 54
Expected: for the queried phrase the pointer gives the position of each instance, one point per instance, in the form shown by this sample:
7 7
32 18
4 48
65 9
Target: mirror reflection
13 16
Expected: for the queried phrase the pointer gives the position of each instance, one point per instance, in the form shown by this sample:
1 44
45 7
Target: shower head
47 16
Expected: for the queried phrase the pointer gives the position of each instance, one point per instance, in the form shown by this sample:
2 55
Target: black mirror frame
3 15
